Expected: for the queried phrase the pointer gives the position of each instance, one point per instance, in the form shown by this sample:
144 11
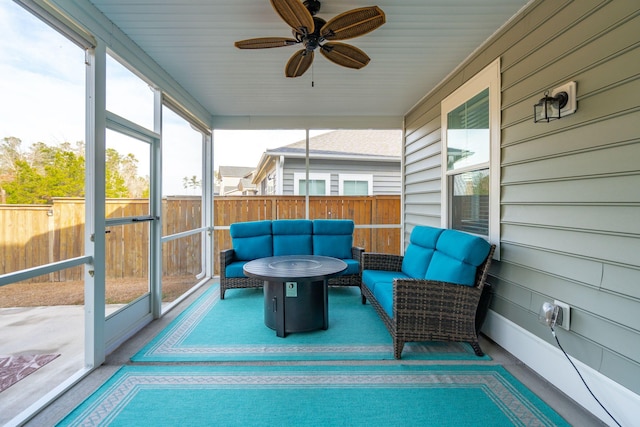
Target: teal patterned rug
233 329
390 395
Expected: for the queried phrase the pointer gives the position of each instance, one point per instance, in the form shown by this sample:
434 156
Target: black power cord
583 381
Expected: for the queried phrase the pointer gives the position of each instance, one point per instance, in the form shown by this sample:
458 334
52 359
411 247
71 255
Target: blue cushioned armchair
431 293
259 239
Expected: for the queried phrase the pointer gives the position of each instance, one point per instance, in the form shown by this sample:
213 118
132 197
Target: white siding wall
386 175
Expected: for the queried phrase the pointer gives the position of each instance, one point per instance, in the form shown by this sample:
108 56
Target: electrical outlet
549 314
566 314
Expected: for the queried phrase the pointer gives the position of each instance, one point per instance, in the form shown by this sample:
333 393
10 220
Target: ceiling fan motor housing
313 6
312 41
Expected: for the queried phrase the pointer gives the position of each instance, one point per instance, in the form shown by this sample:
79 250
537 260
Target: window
471 153
356 185
319 184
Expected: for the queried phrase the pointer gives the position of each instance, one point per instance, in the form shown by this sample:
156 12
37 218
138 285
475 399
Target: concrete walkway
41 330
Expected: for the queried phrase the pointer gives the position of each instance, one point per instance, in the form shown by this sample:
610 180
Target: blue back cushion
457 257
292 237
333 237
251 240
417 256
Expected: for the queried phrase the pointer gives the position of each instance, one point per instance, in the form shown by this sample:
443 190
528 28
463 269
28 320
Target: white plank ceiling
420 44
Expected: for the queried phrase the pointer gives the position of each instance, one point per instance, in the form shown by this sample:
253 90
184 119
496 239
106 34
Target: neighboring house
342 162
235 181
246 187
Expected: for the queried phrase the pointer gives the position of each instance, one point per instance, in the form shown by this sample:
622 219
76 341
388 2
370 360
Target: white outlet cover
572 104
566 314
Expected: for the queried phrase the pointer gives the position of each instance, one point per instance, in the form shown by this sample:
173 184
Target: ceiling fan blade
265 43
299 63
294 13
353 23
345 55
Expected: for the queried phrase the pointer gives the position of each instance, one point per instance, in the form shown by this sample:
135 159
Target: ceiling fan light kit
316 33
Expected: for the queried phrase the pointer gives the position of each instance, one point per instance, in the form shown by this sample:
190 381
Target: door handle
145 218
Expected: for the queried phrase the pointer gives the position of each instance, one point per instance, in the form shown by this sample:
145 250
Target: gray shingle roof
246 184
235 171
386 143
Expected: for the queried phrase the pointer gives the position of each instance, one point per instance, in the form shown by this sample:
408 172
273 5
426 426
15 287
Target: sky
42 99
40 73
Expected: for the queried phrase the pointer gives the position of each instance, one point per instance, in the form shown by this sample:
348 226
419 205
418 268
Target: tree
122 179
193 182
56 174
44 172
26 186
10 153
65 175
115 183
40 155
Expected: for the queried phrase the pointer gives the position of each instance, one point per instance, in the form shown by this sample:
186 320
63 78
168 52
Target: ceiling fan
314 33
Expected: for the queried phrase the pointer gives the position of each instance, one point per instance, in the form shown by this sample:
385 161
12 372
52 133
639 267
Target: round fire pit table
295 290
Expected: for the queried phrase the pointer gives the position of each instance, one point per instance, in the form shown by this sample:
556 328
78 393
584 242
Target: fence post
51 236
374 220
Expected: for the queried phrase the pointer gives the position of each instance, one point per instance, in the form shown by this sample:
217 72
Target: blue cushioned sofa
259 239
433 291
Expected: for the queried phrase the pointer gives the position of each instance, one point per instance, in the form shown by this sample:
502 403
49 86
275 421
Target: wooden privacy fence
365 211
34 235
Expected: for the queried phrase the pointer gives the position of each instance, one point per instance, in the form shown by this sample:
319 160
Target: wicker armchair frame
227 257
427 310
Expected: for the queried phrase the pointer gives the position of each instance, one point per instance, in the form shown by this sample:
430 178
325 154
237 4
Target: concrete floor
40 330
19 396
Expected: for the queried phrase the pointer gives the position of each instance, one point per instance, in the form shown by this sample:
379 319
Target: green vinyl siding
570 189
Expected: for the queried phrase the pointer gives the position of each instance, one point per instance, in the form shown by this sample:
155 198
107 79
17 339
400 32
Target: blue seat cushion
384 296
457 257
371 278
353 267
417 256
292 237
235 269
251 240
333 237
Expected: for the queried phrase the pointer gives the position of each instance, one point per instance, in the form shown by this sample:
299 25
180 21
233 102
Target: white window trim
489 77
301 176
355 177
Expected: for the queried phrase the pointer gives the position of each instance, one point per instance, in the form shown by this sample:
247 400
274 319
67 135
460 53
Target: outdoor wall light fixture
559 103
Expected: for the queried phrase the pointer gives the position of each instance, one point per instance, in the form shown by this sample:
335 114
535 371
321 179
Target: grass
119 291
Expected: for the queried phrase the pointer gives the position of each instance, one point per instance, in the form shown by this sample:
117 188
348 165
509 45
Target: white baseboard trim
550 363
